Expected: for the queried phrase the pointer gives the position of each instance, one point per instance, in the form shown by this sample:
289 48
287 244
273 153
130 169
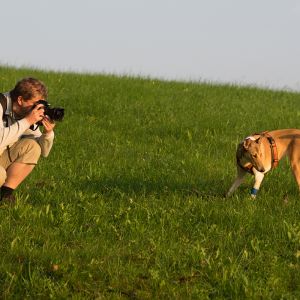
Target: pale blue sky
236 41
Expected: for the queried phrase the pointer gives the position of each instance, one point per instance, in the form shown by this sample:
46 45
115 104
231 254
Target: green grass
129 204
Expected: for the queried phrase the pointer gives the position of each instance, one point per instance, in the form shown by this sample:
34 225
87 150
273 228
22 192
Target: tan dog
259 153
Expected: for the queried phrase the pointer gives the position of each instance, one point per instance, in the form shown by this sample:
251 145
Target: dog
259 153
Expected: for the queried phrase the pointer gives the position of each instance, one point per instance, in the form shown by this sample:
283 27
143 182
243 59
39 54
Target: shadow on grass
126 186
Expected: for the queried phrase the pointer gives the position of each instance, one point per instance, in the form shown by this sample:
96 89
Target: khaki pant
26 151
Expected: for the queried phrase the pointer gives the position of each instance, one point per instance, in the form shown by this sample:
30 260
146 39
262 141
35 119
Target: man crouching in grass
21 141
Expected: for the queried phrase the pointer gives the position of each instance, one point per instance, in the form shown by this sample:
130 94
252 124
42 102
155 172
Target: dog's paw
253 193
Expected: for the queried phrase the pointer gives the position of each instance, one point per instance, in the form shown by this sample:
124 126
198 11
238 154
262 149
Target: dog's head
251 152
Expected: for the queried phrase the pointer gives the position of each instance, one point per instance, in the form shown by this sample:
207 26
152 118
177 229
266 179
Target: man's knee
34 147
2 175
29 151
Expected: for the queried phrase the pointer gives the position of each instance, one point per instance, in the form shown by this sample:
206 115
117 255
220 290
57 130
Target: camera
54 113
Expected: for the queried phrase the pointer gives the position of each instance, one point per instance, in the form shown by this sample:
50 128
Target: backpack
3 102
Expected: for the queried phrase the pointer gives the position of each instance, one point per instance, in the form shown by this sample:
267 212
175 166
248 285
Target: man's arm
46 143
44 139
9 135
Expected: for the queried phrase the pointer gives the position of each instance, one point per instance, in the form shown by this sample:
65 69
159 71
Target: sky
245 42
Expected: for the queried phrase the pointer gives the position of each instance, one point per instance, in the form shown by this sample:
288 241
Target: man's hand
36 115
48 124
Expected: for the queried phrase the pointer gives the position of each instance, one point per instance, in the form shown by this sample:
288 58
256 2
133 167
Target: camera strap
34 128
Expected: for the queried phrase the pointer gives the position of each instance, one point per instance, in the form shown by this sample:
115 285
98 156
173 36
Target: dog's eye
254 155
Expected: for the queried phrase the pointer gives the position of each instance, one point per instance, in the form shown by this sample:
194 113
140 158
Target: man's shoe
8 200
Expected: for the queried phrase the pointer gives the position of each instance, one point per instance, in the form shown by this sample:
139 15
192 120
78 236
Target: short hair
28 88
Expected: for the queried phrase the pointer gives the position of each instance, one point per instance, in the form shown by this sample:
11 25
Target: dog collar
274 151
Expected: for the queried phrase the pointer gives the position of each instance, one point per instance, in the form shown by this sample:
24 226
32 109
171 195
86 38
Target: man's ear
19 100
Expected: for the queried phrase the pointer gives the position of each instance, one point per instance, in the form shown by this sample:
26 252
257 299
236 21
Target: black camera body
55 113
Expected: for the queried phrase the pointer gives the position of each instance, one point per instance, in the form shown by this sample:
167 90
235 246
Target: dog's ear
246 144
258 141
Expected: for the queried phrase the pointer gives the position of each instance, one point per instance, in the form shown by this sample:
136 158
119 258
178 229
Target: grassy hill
129 204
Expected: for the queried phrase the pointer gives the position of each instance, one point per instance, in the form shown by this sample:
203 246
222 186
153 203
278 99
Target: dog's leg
258 180
239 179
295 164
294 156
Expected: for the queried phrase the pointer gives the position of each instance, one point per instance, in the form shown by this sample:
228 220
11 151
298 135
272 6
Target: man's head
26 93
29 88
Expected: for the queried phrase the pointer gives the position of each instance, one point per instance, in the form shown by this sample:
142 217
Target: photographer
20 146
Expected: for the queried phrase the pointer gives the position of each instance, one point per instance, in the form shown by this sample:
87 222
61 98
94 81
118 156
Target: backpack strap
3 102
